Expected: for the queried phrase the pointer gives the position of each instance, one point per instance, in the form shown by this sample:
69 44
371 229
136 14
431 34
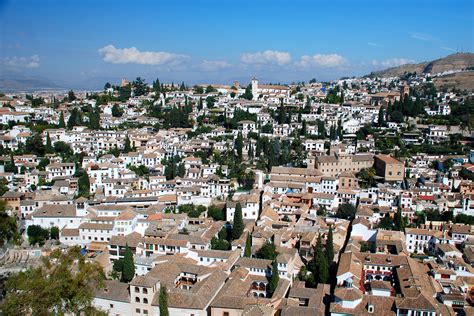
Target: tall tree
163 301
329 251
117 111
48 148
321 264
8 226
399 220
238 146
238 223
128 271
127 146
94 118
75 118
248 246
274 279
381 117
250 152
139 87
71 96
62 123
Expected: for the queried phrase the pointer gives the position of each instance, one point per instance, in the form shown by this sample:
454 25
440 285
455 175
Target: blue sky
85 42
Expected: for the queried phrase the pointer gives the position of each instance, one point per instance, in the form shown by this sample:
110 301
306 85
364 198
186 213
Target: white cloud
448 48
21 62
322 61
213 65
374 44
392 62
132 55
266 57
423 37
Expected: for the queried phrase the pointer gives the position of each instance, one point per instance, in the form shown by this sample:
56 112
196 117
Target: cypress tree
62 123
381 116
248 246
251 152
128 271
238 223
128 146
323 269
200 105
94 118
239 144
274 279
49 148
163 301
320 265
330 248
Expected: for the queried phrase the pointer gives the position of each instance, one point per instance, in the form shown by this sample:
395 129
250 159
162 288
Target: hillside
452 62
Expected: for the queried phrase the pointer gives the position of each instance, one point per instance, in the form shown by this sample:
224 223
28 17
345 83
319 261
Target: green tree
62 123
71 96
83 183
64 149
329 251
386 222
139 87
181 170
366 177
248 93
75 118
274 279
399 221
397 116
322 271
220 244
128 271
127 147
63 284
8 226
37 235
381 118
163 301
216 213
34 145
140 170
117 111
267 251
238 223
238 146
54 232
48 148
346 211
248 246
94 118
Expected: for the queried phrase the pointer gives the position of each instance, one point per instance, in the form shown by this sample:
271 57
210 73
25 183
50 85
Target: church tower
255 88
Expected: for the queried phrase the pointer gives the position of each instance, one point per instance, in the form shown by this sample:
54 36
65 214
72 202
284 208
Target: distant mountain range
18 82
456 61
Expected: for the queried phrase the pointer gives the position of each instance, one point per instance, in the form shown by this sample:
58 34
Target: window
225 314
145 311
137 310
137 299
111 305
137 290
145 291
145 300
